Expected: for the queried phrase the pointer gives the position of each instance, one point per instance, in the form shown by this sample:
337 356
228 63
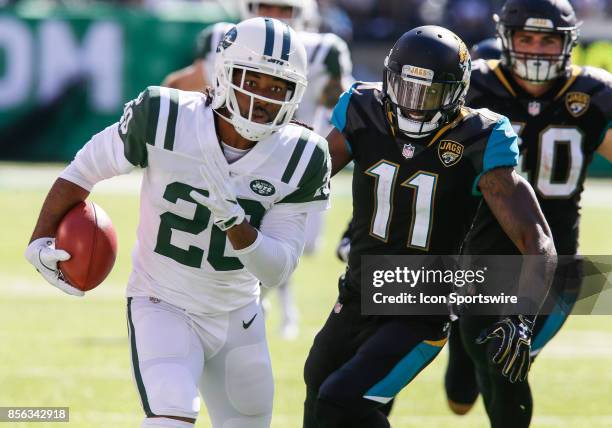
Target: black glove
513 352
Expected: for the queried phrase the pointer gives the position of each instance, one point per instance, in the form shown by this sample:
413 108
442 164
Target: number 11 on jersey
422 183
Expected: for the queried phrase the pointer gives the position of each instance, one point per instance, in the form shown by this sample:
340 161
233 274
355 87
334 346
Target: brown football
87 234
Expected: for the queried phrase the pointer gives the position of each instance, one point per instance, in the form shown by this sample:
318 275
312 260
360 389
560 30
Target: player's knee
171 390
340 411
337 397
314 376
249 383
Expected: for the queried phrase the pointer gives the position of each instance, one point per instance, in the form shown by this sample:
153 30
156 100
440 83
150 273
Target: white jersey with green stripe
328 57
180 256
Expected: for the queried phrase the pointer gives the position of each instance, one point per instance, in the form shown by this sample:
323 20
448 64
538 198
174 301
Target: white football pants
175 354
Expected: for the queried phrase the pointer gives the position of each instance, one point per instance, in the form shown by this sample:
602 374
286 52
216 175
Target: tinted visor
414 94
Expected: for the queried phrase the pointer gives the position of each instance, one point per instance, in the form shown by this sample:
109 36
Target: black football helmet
490 48
552 16
426 77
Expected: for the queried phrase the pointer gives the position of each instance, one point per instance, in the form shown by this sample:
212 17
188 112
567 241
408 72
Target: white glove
42 254
343 249
221 199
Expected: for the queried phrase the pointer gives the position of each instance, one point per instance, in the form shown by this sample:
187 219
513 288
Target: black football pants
357 364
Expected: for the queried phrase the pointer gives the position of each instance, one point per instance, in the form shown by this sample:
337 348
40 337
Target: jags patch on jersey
450 152
577 103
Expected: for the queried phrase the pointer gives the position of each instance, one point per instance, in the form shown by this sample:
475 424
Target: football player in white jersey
227 183
329 74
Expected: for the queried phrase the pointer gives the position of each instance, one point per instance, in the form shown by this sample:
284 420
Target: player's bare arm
331 92
516 208
62 196
190 78
338 150
242 235
41 251
605 149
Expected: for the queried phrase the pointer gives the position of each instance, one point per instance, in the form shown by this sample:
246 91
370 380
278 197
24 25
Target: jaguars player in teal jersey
562 114
329 74
421 159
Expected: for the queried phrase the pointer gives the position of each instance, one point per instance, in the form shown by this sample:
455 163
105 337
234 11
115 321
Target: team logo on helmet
463 53
450 152
539 23
262 187
577 103
228 39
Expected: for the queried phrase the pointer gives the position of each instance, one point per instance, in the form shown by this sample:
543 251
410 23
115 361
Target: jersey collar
554 93
210 145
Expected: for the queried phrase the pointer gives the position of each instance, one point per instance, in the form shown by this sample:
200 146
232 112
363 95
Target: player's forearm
605 148
331 93
516 208
338 150
62 196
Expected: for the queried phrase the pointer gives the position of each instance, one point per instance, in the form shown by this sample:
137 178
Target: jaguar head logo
450 152
577 103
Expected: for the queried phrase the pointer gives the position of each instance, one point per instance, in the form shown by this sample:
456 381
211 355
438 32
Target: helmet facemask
537 67
418 103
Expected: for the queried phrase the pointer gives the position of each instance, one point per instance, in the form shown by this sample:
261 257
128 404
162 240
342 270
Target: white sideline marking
63 372
35 177
23 287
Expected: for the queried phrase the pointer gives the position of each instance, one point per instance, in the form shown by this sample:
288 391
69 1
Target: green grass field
57 350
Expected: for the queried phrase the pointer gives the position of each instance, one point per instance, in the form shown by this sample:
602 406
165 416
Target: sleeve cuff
70 173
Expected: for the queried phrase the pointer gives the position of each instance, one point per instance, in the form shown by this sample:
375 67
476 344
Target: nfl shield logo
408 151
337 307
533 108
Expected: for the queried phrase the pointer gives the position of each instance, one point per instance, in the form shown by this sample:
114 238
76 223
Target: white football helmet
262 45
311 16
250 9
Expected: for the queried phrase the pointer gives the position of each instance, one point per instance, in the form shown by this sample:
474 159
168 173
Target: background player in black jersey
562 114
490 48
419 156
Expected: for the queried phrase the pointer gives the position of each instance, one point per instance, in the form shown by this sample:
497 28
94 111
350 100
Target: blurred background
66 70
68 66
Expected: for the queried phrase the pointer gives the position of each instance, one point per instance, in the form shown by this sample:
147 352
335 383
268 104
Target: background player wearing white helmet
329 74
227 185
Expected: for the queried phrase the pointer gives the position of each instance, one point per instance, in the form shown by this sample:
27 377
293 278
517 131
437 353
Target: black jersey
415 196
558 135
